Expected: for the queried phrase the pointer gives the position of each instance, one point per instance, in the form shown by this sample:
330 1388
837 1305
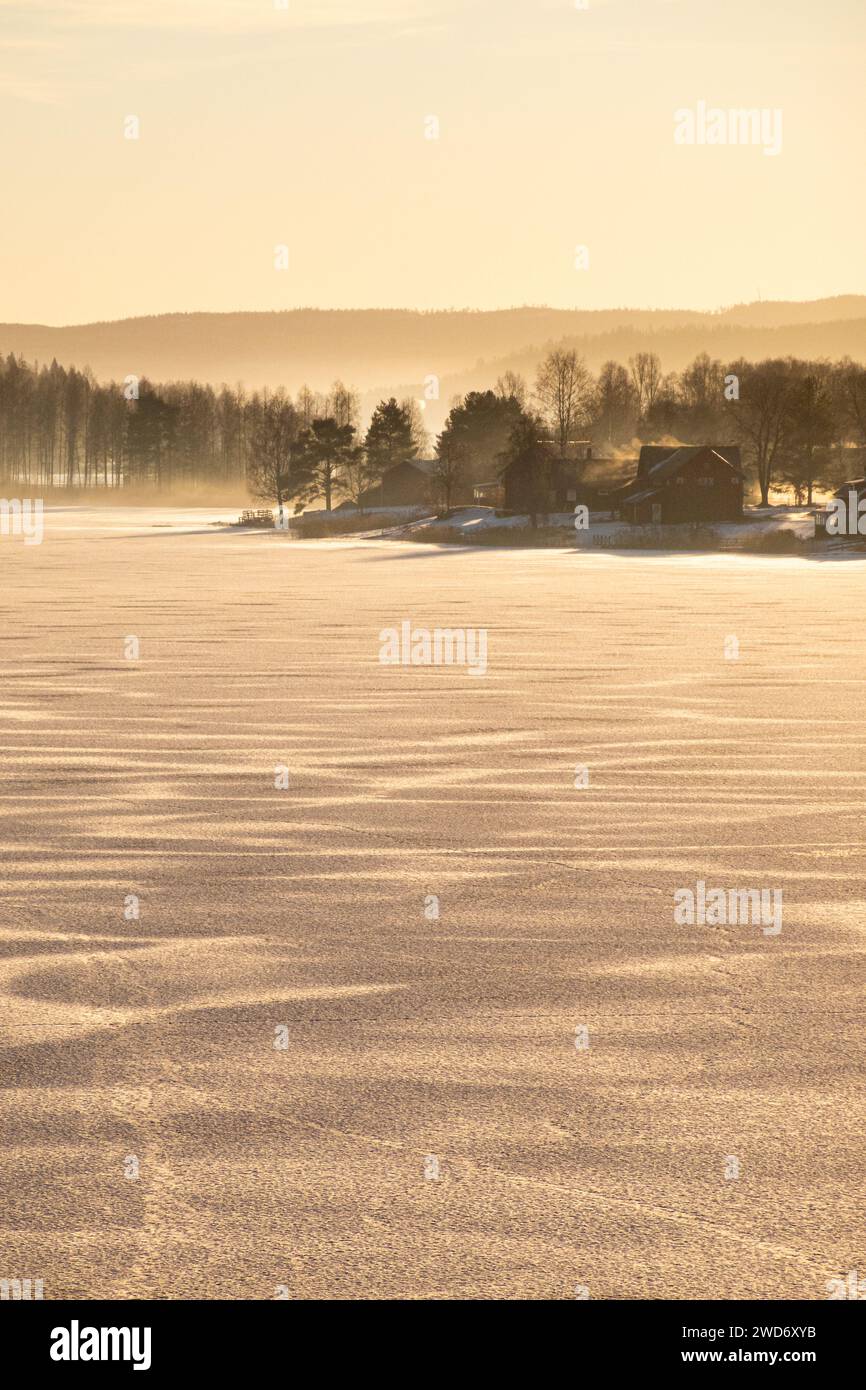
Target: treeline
794 418
59 427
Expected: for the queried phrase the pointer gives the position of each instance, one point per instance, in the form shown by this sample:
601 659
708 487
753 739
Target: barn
699 483
407 484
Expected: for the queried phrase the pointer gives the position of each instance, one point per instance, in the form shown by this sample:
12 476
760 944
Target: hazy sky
305 126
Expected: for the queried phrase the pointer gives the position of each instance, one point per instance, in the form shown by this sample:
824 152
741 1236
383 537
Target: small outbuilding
407 484
489 494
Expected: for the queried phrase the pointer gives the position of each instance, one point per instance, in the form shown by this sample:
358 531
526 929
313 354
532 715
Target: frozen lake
425 1125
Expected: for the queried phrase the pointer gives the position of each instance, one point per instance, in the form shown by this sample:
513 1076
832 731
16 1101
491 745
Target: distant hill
391 351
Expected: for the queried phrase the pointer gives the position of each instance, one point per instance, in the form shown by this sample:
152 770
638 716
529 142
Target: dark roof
426 466
730 453
667 467
651 454
643 496
659 461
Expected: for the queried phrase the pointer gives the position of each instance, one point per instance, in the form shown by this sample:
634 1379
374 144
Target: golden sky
307 127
